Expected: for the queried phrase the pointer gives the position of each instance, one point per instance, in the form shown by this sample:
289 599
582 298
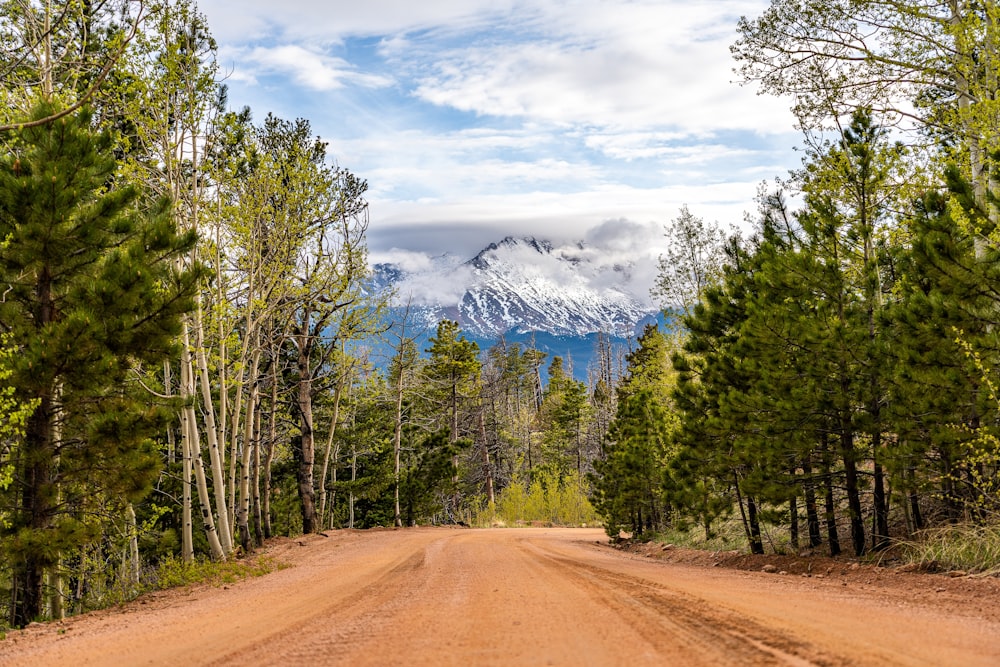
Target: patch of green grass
726 535
969 547
174 572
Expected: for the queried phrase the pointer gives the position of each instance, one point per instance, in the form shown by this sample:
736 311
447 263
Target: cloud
235 20
423 284
475 119
464 224
623 65
308 67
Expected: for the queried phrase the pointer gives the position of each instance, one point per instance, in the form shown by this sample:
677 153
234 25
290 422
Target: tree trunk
272 435
831 517
306 442
397 437
212 434
793 522
487 468
812 513
851 487
756 544
258 524
250 444
36 510
187 531
880 521
192 450
133 546
328 451
354 478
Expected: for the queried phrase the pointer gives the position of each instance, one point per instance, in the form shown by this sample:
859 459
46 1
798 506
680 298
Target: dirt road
523 597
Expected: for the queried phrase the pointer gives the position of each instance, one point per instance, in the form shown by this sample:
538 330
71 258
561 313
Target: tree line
187 364
834 371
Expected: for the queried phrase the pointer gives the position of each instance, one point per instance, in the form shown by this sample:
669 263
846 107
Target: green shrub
547 499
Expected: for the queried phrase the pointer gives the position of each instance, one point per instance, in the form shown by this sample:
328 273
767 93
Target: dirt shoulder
958 592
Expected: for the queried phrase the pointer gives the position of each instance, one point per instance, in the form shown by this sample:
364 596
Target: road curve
431 596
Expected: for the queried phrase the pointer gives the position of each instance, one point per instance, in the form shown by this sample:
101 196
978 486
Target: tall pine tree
93 290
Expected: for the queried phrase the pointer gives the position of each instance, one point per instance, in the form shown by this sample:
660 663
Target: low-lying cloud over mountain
520 285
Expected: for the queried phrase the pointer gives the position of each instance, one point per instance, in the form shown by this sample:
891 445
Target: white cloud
429 290
626 65
308 67
617 254
234 20
475 119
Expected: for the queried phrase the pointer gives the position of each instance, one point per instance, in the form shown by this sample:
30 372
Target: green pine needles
94 288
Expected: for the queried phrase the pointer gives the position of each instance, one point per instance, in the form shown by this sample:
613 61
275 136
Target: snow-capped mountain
520 285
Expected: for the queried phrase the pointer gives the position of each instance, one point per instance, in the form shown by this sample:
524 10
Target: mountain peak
522 284
508 245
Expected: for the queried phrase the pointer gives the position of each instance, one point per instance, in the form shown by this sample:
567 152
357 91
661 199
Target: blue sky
476 119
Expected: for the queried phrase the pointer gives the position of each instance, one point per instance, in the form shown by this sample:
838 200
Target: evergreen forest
192 357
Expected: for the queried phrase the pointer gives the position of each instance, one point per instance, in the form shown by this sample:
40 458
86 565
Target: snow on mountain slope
521 285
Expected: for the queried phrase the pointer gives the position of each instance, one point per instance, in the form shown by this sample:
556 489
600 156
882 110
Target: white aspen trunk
133 545
397 440
326 455
354 478
234 445
249 444
56 584
168 391
249 334
251 329
187 533
214 452
220 297
192 450
255 486
272 433
54 574
47 86
964 94
187 536
991 58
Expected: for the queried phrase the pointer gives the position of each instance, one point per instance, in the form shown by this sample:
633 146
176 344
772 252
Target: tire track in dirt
665 616
330 631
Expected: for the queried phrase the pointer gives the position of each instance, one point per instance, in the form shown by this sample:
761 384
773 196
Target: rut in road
665 617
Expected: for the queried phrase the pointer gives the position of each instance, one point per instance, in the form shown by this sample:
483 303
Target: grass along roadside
967 547
173 572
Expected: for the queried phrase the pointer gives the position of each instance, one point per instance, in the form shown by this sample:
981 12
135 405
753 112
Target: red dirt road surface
438 596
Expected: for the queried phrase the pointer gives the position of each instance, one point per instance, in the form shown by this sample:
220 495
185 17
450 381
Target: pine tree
453 375
628 482
813 345
947 353
453 372
711 456
93 291
562 420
